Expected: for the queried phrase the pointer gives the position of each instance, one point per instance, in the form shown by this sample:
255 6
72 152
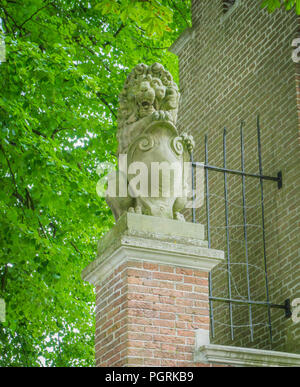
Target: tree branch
115 34
107 105
5 25
75 247
3 279
39 133
37 11
41 226
180 13
58 130
29 202
10 169
9 16
54 229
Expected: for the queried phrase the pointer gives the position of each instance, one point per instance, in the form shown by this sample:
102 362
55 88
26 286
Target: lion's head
147 89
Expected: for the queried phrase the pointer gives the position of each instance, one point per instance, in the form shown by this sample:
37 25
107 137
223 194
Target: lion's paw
179 216
188 140
160 115
135 210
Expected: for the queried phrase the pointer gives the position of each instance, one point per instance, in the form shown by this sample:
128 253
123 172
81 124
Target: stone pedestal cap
152 239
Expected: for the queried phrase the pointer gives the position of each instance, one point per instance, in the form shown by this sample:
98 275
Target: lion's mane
129 109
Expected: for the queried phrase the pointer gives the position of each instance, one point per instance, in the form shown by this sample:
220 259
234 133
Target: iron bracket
279 181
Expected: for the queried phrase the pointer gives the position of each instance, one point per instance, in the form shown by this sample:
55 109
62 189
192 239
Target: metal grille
249 302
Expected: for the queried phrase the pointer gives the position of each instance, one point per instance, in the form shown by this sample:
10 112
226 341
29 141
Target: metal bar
288 311
211 307
227 234
207 193
193 189
245 229
244 174
263 226
279 182
247 302
278 178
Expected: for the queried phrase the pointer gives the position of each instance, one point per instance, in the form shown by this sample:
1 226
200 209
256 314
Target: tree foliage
66 62
272 5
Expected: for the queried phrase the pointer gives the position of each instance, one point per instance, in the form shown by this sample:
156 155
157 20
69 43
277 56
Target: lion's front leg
188 140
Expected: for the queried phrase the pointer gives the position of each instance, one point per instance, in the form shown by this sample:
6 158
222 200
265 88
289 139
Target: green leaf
271 5
59 96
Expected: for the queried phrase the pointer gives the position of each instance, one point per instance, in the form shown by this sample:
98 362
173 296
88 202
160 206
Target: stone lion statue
147 135
149 94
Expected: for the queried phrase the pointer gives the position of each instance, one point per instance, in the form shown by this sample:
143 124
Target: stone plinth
244 357
151 279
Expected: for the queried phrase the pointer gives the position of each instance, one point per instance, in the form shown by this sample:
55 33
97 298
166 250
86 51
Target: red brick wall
230 70
298 86
147 314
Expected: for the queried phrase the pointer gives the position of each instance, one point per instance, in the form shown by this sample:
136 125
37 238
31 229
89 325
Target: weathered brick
227 73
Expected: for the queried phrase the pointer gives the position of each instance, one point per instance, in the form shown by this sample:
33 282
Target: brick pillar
151 279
